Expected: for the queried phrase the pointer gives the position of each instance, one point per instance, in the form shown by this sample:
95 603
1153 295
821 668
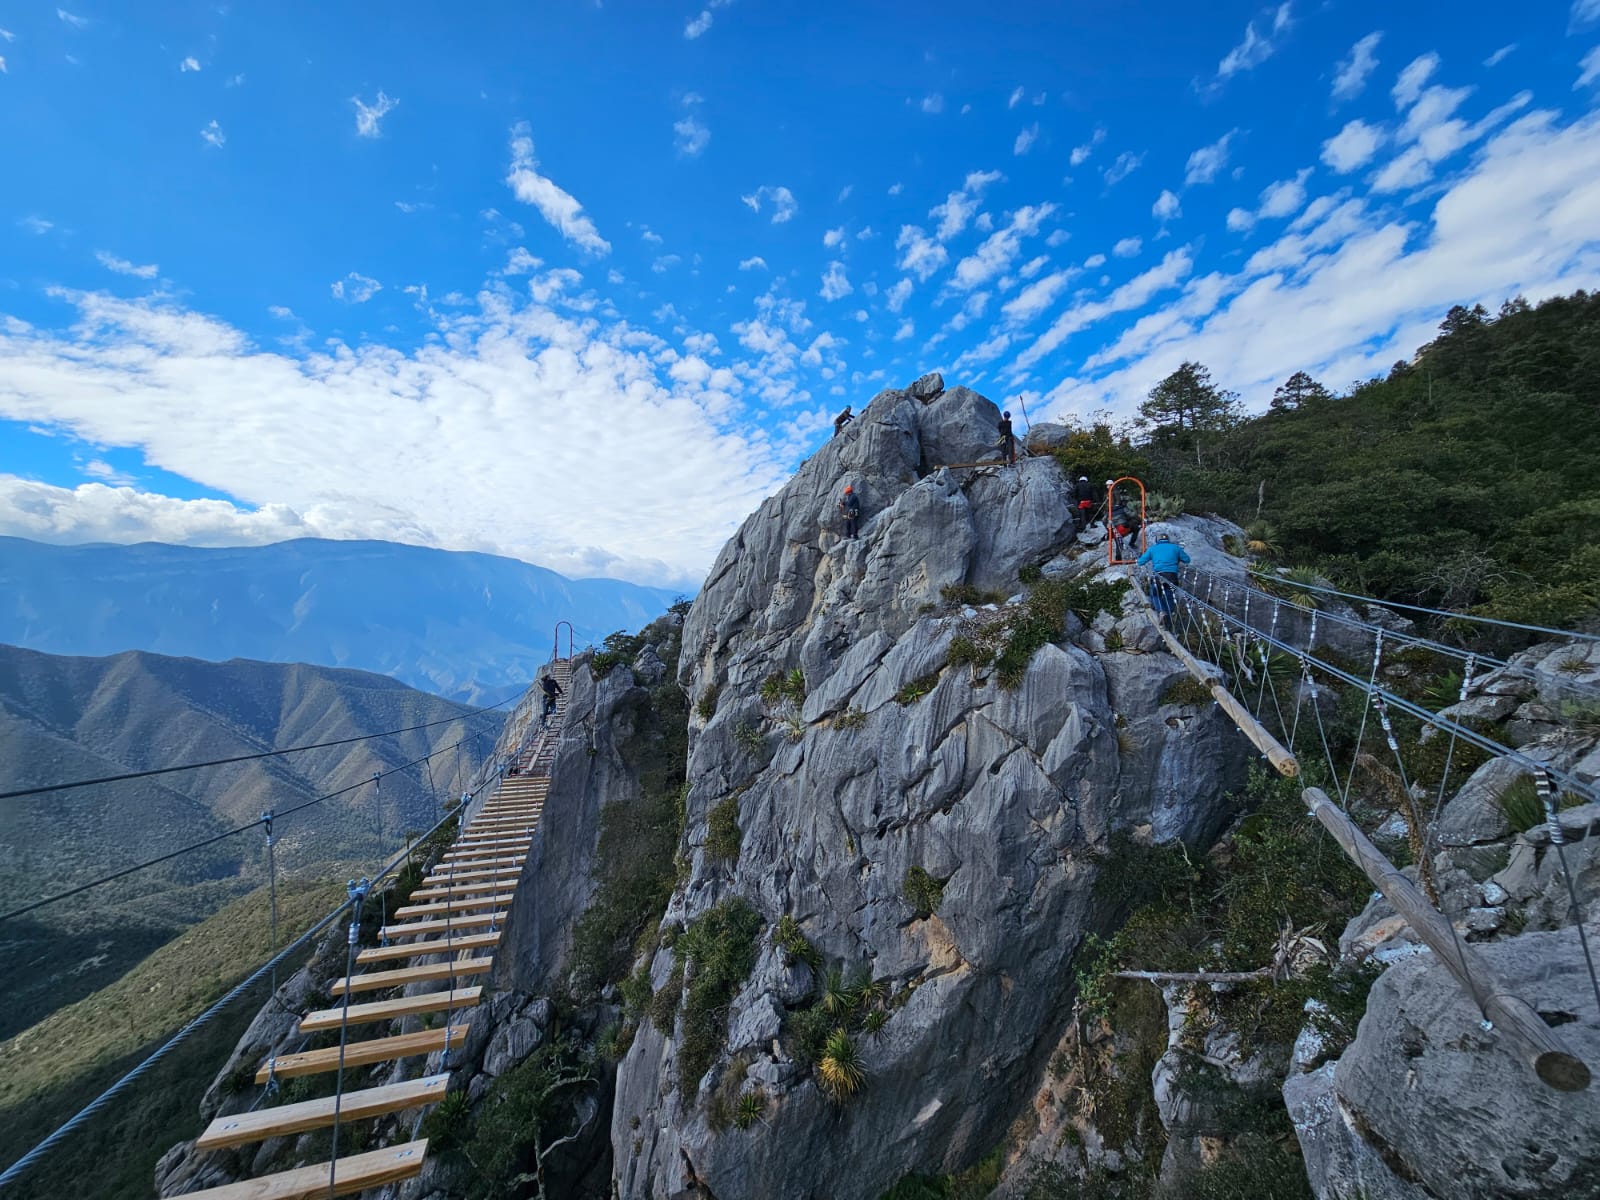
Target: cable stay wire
238 758
212 841
16 1169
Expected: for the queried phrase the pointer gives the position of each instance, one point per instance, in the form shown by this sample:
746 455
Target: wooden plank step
444 945
243 1128
432 973
457 878
387 1010
478 845
484 864
363 1054
354 1173
501 826
414 928
453 906
461 890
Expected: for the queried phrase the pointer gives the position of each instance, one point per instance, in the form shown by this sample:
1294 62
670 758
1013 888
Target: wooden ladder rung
515 860
444 945
362 1054
431 973
243 1128
355 1173
495 841
385 1010
460 890
458 878
453 906
414 928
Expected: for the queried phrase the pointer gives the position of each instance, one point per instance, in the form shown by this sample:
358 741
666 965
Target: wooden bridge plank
363 1054
242 1128
414 928
431 973
453 906
444 945
385 1010
355 1173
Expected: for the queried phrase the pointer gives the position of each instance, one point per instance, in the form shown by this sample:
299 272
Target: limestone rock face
895 760
1425 1103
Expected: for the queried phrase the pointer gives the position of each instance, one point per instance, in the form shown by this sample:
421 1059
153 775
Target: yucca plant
1159 507
876 1020
751 1105
840 1072
837 997
1521 804
1261 539
866 991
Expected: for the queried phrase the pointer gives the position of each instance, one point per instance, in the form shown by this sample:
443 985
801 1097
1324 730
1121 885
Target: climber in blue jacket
1164 556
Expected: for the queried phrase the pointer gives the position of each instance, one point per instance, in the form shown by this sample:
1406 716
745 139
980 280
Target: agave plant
840 1072
1159 507
1261 539
751 1105
837 997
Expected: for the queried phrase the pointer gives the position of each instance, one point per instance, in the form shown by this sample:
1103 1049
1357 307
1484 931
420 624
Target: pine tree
1298 389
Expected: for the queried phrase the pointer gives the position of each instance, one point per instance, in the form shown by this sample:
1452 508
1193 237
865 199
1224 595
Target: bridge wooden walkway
443 939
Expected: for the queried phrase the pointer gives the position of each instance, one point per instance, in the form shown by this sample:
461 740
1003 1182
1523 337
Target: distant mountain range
472 627
66 719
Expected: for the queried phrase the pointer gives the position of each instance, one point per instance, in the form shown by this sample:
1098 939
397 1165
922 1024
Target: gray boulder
928 387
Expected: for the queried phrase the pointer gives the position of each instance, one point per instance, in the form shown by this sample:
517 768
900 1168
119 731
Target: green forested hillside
76 718
1469 477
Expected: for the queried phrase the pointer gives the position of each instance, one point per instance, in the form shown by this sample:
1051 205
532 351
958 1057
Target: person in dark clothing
1166 558
842 420
552 689
850 510
1008 440
1083 500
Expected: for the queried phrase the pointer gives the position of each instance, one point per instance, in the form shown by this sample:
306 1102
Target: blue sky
581 283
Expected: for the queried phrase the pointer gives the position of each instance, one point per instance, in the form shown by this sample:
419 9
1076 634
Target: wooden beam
481 888
444 945
1552 1062
363 1054
472 878
515 860
453 906
414 928
246 1127
387 1010
355 1173
1276 753
431 973
518 841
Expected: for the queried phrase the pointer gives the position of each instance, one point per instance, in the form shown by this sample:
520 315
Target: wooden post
1276 753
1516 1018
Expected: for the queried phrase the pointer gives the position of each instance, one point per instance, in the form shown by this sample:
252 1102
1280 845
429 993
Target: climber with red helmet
850 510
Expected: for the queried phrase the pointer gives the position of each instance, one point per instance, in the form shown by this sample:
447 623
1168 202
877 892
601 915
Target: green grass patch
717 951
1186 690
722 830
917 688
966 594
923 892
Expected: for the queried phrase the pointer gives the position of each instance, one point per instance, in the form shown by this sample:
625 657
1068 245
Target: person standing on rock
1165 557
1083 500
842 420
850 510
1008 440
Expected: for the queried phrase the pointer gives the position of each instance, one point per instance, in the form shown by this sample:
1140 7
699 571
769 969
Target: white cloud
1080 154
1356 66
212 135
835 283
844 192
690 135
368 116
1016 97
1033 266
1127 163
557 206
1036 297
1584 12
1256 47
407 206
1058 237
1590 68
754 262
784 205
1166 206
235 80
866 234
189 64
357 289
897 296
1205 162
919 254
123 267
282 312
907 330
1409 84
1025 140
1352 147
1000 249
833 237
698 25
1136 293
67 18
3 70
1093 261
1283 198
1240 219
1499 56
7 35
933 103
34 224
896 188
98 468
665 263
1128 247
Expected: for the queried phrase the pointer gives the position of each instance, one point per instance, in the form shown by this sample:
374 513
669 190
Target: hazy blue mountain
468 626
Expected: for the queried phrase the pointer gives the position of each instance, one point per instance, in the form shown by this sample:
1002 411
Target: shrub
449 1123
1521 804
636 992
750 739
528 1107
965 651
707 708
1030 574
796 947
917 688
722 831
923 892
664 1004
808 1030
875 1021
1159 507
849 719
618 648
751 1105
717 951
965 593
613 1041
839 1071
1186 690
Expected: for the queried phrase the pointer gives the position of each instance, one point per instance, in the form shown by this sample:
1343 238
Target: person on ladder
552 689
850 511
1165 556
